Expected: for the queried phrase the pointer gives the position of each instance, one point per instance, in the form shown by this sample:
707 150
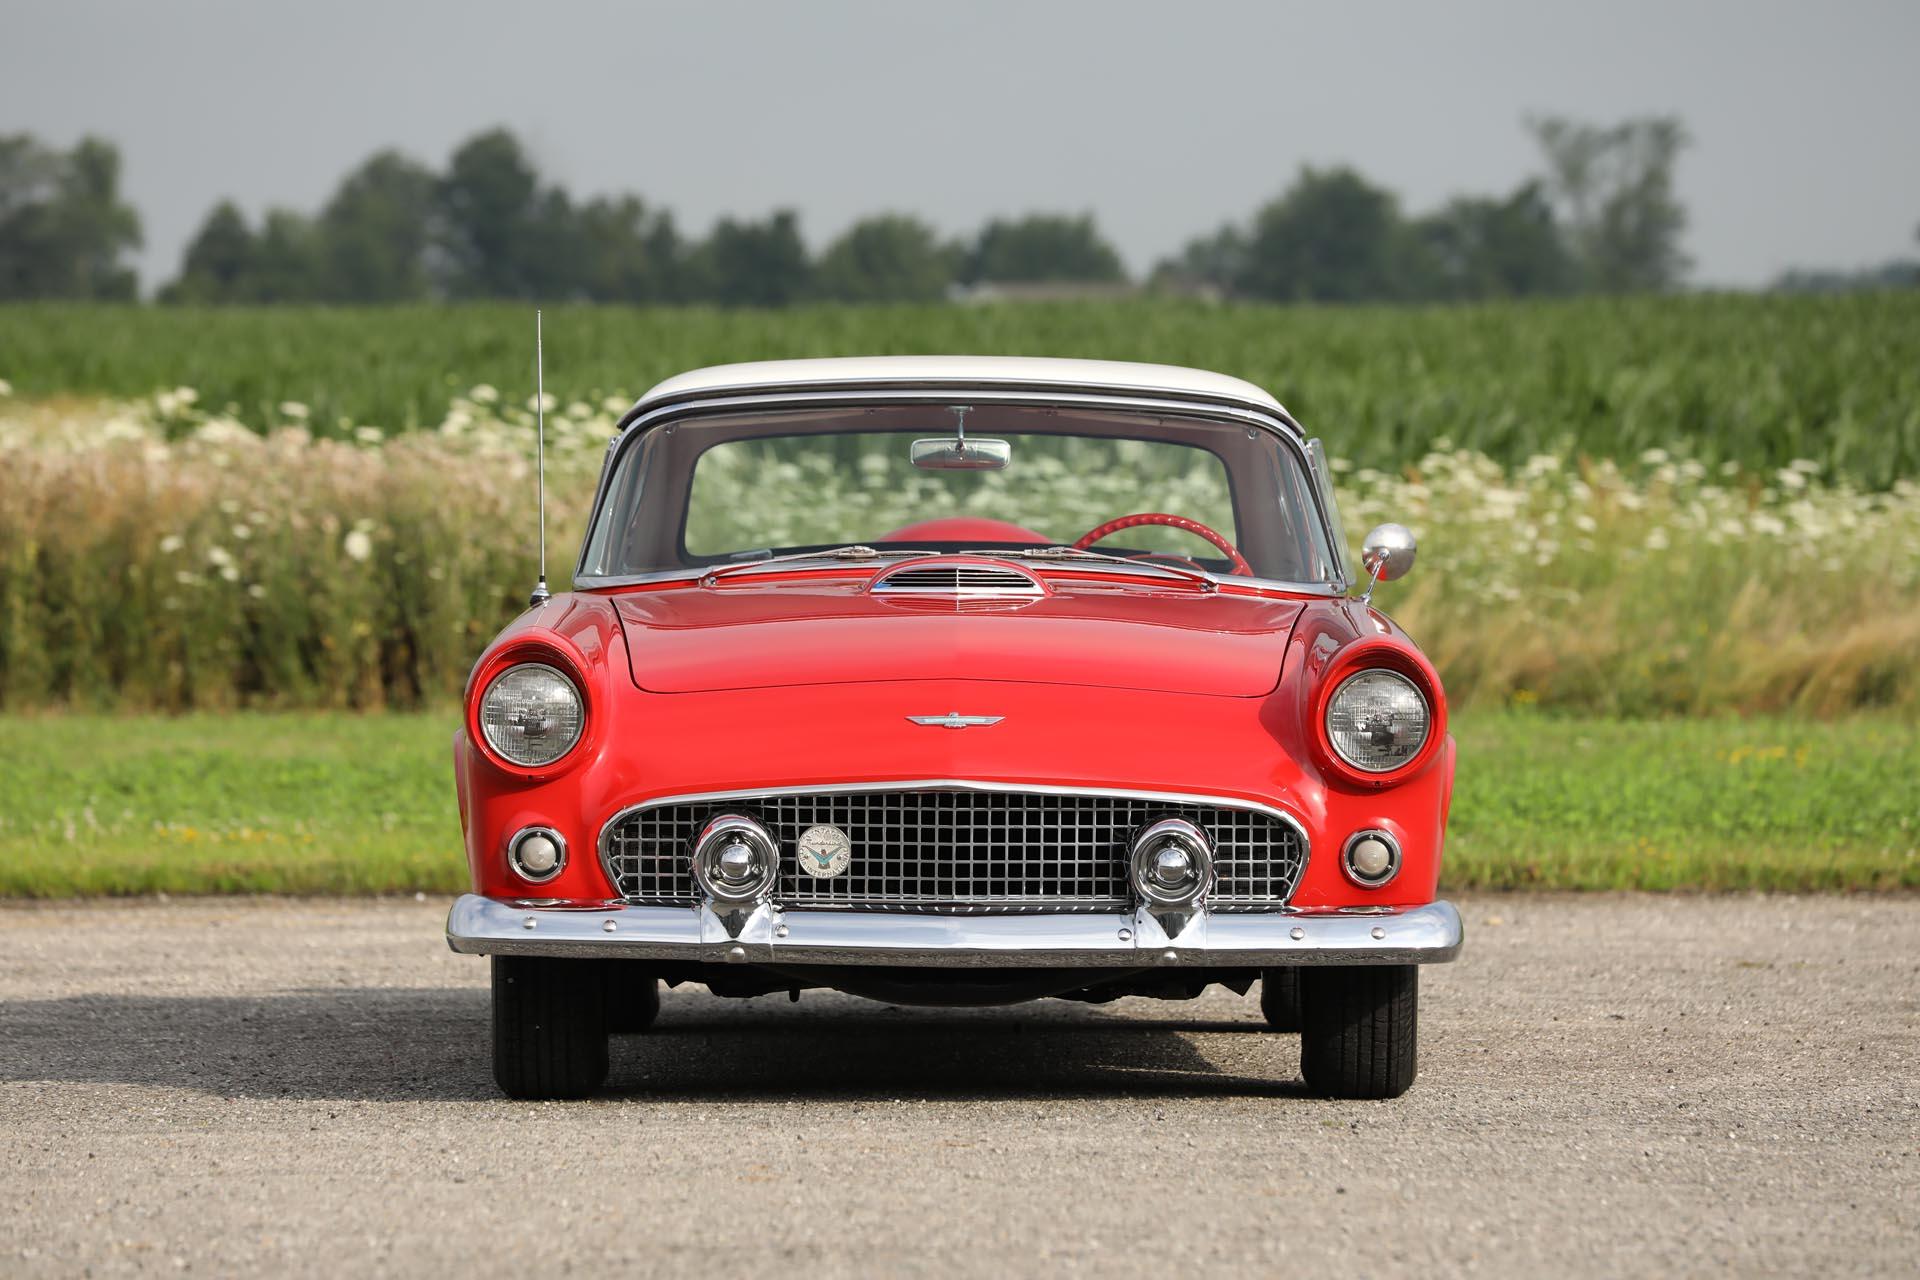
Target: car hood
689 638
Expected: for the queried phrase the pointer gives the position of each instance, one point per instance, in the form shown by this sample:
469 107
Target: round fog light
537 853
1172 867
735 859
1371 858
737 863
1172 863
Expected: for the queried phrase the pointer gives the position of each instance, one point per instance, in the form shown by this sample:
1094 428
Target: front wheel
1358 1029
1280 998
633 997
549 1027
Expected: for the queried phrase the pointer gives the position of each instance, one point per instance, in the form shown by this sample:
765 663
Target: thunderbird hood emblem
954 720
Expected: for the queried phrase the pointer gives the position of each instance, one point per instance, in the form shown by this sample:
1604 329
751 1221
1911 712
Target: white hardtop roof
960 372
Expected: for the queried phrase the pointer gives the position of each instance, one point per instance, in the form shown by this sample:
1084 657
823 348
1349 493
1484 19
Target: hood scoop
971 579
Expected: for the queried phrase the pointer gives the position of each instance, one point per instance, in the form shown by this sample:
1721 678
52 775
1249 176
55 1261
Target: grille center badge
824 852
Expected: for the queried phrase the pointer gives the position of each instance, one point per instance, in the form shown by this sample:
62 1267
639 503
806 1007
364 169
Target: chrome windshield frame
643 420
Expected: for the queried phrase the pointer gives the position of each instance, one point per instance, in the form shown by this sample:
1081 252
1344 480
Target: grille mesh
959 579
921 850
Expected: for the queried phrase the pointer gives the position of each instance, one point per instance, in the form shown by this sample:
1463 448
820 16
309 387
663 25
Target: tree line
1601 216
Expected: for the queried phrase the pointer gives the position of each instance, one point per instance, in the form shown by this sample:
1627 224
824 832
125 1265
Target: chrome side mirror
1387 554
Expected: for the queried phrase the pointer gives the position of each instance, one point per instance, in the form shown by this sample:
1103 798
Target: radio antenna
540 593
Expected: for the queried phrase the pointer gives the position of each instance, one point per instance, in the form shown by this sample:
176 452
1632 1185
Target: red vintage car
958 681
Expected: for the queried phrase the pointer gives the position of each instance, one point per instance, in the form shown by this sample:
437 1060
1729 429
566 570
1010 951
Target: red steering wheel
1111 527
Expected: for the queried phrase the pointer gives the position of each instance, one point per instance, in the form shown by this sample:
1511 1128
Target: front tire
549 1027
633 997
1359 1027
1280 998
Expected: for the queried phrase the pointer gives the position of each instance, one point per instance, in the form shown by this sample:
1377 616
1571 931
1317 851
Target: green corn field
1758 380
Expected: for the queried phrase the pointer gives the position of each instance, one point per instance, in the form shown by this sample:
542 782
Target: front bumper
1427 934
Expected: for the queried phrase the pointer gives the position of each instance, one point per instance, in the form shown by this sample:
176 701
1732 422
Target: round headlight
1377 720
531 714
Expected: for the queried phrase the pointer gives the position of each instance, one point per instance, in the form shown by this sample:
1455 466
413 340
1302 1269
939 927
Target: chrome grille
946 848
958 579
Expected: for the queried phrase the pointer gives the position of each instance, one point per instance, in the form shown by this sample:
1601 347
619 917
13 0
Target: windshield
725 490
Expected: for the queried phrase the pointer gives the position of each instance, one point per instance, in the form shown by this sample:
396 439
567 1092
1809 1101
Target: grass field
322 804
1760 381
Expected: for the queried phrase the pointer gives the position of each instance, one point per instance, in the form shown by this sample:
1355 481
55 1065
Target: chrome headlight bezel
495 723
1349 687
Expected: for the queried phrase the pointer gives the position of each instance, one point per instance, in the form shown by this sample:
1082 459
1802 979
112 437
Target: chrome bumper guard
1119 940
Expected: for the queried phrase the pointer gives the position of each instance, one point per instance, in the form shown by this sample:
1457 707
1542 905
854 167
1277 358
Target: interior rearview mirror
962 453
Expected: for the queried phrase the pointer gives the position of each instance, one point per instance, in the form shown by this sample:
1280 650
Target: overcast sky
1163 119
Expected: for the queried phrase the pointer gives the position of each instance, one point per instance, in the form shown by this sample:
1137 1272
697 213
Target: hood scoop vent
965 578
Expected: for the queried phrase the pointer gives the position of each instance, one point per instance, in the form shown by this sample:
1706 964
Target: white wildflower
242 532
6 388
219 557
1653 457
172 543
223 431
294 409
369 435
358 544
173 403
1657 539
483 394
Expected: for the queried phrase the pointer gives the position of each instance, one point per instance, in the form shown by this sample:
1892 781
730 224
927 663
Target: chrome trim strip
947 784
1073 568
1430 934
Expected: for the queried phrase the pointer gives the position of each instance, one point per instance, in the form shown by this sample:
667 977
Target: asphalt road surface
1608 1085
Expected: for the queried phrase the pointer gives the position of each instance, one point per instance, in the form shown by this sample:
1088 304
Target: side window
1323 486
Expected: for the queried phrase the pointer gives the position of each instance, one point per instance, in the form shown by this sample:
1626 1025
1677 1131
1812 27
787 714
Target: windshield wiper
1075 553
856 552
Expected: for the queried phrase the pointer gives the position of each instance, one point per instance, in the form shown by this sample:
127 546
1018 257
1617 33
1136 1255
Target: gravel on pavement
1608 1085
